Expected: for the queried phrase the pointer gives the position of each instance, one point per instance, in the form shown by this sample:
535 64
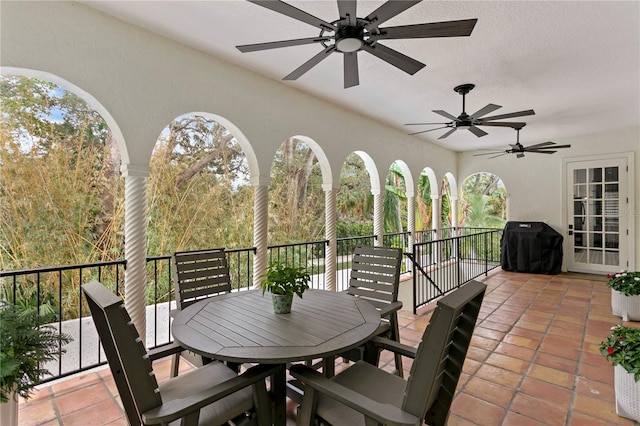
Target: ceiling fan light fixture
349 44
464 126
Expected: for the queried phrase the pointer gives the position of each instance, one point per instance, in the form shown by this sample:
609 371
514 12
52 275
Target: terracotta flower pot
282 303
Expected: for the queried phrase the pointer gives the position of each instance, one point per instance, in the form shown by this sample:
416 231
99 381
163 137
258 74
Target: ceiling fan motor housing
349 38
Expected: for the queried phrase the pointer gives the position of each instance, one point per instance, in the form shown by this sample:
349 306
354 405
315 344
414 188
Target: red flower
610 350
609 276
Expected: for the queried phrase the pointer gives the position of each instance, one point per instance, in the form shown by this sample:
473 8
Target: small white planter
627 394
9 411
627 307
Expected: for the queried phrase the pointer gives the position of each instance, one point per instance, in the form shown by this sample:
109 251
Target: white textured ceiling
576 63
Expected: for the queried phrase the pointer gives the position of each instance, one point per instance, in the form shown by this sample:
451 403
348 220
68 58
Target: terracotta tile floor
534 360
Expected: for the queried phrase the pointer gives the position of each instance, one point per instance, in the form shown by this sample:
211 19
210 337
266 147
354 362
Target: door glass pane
611 257
595 256
611 174
595 191
579 191
595 175
579 224
612 241
595 224
579 239
611 208
611 190
580 255
579 208
595 240
612 224
580 176
595 208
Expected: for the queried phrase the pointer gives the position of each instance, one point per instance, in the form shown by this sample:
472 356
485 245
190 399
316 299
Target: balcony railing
57 289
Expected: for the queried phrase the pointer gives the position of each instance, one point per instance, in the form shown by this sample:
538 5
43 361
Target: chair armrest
164 351
391 308
383 413
178 408
393 346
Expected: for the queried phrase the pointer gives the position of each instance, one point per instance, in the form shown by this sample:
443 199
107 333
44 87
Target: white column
378 217
260 227
135 244
411 221
435 215
454 211
330 260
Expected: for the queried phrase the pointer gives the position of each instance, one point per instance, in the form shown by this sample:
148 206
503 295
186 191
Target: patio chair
375 276
211 395
197 275
364 394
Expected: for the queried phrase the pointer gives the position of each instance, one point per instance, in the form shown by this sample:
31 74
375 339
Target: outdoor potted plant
283 282
625 295
26 345
622 349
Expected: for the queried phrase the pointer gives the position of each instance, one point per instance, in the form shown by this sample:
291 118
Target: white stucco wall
144 81
535 182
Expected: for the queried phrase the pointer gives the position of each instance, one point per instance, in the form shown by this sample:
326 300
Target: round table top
242 327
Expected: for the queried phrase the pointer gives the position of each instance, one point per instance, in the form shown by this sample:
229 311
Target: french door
597 198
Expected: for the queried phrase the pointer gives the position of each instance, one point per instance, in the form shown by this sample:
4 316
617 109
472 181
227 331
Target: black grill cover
532 247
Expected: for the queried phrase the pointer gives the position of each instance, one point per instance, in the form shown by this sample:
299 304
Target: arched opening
198 191
483 201
61 192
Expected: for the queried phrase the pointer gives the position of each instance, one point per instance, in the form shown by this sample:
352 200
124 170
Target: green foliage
483 201
628 283
622 347
26 343
353 229
285 280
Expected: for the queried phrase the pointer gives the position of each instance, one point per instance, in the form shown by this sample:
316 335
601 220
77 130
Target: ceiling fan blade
535 151
499 155
351 77
295 13
429 30
477 131
510 115
500 124
298 72
489 153
552 147
347 10
428 124
395 58
445 114
430 130
387 11
484 111
277 44
448 133
543 144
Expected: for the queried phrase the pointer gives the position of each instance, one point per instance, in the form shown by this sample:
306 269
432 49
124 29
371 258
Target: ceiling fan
520 150
349 35
470 122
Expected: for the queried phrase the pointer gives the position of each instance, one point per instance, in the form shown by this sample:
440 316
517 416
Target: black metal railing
57 289
443 265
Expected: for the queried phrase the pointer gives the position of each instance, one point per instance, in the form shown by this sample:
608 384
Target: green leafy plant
285 280
622 347
26 344
628 283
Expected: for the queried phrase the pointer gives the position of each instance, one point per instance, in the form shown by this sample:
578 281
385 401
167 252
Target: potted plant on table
283 282
26 344
622 349
625 295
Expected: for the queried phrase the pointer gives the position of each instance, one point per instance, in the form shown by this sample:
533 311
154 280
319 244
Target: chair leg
395 335
175 365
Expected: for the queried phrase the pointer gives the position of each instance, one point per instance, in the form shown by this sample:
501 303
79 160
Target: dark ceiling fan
470 122
520 150
350 34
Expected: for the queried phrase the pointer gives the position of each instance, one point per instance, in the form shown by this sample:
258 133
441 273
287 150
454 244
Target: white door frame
624 210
